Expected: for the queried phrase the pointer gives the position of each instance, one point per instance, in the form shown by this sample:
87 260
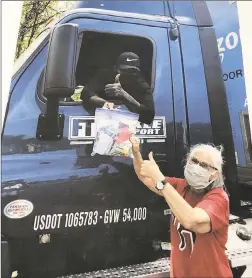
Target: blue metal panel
179 98
196 91
183 11
226 26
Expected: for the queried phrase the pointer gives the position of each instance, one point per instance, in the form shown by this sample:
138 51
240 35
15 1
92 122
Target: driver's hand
108 105
114 90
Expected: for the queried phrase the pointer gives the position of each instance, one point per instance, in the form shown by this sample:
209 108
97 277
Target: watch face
160 185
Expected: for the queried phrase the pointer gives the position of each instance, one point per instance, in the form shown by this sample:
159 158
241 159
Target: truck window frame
42 98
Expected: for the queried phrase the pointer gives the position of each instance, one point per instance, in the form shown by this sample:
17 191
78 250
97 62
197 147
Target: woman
200 211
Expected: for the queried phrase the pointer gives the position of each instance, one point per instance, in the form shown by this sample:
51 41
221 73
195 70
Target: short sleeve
216 205
177 183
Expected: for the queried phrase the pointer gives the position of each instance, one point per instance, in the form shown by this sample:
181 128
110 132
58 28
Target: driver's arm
88 96
89 93
147 108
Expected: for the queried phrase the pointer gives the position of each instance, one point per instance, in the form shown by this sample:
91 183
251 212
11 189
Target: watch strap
164 182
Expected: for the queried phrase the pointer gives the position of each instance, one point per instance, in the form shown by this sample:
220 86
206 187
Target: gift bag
113 131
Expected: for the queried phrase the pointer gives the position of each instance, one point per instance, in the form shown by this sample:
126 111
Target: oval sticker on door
18 209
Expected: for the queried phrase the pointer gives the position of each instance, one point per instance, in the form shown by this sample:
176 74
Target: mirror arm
51 124
52 107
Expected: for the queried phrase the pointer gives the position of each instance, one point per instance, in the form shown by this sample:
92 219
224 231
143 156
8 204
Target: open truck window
98 53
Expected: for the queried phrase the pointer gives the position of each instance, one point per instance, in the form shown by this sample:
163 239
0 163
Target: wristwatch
161 185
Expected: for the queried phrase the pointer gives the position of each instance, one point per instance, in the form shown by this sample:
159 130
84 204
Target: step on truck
66 213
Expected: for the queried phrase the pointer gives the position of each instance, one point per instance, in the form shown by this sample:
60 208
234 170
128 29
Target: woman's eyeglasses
202 164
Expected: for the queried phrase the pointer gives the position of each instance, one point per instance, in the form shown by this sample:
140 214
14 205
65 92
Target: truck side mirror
59 79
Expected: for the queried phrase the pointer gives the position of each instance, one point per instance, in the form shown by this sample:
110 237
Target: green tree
35 16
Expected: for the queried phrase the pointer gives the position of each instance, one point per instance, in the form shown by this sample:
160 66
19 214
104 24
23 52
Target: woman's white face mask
197 177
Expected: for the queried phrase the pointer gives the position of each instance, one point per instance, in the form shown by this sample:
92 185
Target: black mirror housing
59 79
61 61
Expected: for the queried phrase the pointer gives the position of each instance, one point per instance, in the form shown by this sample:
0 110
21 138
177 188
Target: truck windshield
143 7
29 51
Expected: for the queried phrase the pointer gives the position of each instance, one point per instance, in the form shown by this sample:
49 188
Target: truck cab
66 212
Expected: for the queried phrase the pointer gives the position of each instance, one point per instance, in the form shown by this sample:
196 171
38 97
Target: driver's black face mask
128 72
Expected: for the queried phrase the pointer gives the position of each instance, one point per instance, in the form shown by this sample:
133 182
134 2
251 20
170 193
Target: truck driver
124 84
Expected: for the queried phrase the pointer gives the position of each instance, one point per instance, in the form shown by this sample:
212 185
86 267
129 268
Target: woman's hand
138 162
135 144
150 169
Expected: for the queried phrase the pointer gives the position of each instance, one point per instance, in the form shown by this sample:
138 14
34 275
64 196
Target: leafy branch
35 15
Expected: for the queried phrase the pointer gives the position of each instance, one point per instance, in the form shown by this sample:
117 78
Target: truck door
94 209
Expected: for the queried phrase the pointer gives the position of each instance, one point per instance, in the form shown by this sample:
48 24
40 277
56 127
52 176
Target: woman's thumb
151 156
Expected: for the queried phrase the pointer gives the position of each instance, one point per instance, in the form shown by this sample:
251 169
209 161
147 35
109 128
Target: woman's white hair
216 154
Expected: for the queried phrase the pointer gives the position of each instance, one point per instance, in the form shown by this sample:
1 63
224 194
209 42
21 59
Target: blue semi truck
225 18
65 212
229 45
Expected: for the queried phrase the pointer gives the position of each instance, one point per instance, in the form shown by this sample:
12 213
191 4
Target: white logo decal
130 60
83 128
227 43
18 209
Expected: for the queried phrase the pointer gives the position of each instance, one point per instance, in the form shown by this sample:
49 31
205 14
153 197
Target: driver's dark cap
128 60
